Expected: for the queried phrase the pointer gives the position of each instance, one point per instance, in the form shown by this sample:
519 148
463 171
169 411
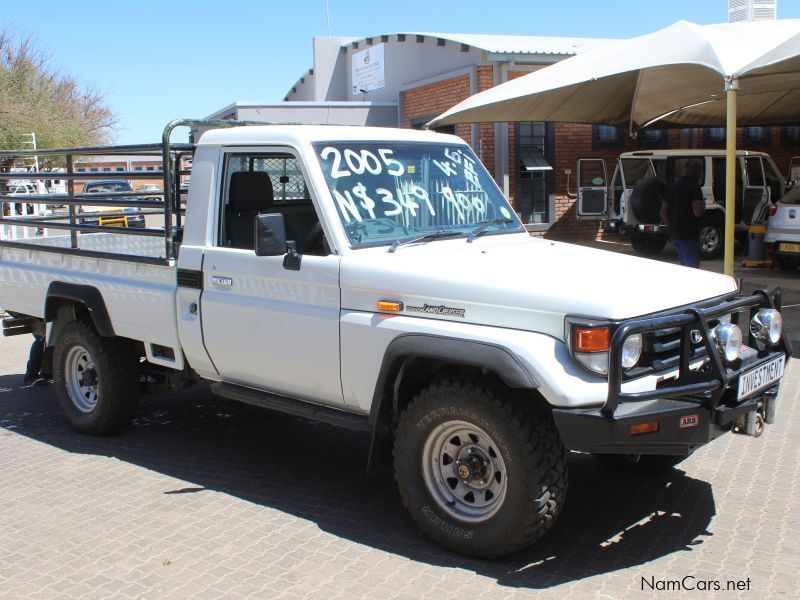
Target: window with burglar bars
288 184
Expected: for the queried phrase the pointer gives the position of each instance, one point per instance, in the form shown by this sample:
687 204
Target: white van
630 202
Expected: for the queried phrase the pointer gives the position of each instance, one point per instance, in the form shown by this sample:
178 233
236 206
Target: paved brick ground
207 498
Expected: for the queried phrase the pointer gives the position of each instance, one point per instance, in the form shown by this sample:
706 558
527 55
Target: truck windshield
392 191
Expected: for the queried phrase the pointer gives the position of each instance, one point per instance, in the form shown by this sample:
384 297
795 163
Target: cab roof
254 135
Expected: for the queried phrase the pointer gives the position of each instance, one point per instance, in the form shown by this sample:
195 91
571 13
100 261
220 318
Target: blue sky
158 60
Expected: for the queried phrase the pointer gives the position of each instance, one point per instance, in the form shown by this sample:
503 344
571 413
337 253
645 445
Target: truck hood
520 282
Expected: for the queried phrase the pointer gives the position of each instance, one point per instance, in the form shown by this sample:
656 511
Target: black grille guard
707 387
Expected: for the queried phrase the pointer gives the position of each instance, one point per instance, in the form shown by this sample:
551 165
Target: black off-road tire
712 237
526 438
785 263
642 464
117 379
647 246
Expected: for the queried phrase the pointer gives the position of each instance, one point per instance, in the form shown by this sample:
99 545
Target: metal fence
25 226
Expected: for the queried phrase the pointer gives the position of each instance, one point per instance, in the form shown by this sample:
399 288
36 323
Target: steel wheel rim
710 238
451 450
81 379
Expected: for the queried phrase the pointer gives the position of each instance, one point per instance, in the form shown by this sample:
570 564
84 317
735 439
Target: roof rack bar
148 149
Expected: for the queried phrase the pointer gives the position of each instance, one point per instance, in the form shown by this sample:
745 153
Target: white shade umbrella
675 77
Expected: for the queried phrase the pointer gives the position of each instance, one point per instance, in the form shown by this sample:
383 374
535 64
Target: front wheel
96 379
480 470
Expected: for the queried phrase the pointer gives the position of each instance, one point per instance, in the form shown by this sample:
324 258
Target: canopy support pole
731 85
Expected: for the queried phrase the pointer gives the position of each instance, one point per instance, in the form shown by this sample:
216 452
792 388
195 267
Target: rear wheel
96 379
712 236
640 463
481 471
785 263
644 245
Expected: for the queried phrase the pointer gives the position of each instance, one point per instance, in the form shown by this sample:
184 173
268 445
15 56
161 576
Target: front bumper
683 426
689 411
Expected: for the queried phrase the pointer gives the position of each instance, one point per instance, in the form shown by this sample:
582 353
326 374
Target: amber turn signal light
388 306
648 427
591 339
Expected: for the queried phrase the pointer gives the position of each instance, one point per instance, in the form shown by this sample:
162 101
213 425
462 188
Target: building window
137 168
714 136
533 173
790 135
607 136
93 169
81 169
106 169
149 168
652 138
120 168
756 135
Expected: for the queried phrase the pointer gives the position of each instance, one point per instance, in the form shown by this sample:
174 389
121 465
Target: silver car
782 239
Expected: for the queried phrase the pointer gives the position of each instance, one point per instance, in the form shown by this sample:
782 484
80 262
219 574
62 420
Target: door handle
222 281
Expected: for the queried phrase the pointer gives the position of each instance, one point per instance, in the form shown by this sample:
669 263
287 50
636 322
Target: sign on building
367 70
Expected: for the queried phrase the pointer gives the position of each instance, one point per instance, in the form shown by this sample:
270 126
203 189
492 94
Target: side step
298 408
17 325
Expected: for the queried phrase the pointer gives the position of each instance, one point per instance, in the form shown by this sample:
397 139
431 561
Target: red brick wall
434 99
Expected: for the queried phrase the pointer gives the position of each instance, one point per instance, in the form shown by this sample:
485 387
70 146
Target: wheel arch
412 359
60 292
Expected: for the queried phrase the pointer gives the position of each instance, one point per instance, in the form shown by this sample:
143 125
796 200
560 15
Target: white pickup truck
377 279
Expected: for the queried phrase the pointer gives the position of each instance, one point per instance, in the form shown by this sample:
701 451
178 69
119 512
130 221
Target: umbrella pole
731 85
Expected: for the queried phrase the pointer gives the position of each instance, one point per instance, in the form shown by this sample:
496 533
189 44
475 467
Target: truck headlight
766 327
631 350
729 339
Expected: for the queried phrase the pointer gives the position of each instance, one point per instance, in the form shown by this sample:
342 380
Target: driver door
266 326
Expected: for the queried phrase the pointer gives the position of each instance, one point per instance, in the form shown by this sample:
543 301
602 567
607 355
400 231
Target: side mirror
270 235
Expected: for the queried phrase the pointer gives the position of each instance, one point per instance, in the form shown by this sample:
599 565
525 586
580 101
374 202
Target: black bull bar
707 387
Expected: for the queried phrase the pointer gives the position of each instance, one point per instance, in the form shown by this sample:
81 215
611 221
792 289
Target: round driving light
631 350
729 338
767 326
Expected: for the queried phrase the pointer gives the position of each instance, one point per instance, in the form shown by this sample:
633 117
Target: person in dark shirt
682 212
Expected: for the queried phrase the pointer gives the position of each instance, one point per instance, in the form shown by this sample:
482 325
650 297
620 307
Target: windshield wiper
433 235
484 225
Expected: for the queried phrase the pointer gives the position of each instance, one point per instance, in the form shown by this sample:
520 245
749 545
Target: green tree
36 97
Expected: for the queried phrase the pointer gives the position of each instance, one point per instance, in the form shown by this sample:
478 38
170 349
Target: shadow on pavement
313 471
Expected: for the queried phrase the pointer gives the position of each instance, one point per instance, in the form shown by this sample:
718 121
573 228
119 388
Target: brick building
406 79
133 163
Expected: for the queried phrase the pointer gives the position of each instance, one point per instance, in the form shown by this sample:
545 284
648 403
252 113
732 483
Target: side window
755 174
267 183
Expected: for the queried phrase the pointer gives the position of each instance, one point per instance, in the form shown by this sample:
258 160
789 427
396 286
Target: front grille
662 349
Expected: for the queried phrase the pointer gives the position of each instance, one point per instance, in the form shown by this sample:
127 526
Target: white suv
630 203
